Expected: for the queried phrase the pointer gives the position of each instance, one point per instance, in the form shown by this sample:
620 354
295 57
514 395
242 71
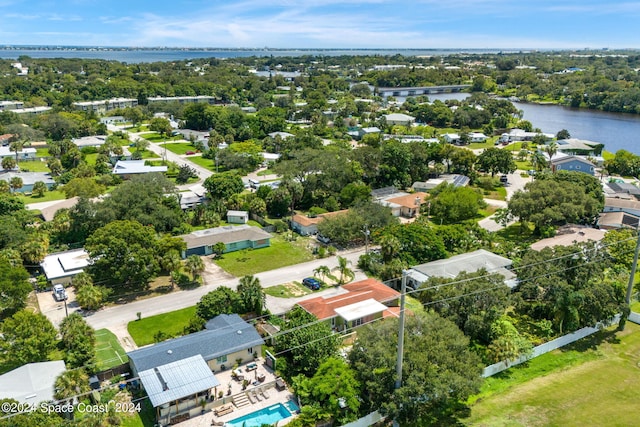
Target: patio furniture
251 399
252 366
223 410
264 394
261 377
280 384
256 396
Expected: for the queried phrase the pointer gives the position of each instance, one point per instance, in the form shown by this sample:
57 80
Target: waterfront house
573 164
399 119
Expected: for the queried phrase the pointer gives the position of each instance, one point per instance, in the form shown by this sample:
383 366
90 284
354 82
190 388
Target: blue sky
323 23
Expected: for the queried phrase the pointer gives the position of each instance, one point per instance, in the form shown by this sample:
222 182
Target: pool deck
274 398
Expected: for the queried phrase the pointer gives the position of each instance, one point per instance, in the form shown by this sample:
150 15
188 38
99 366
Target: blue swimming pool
270 415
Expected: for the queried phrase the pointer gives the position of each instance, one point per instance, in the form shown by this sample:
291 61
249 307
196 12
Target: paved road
516 182
116 318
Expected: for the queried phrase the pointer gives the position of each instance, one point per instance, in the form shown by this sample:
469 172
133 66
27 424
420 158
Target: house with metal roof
60 267
178 374
235 238
363 302
28 179
31 383
454 179
399 119
128 168
573 164
237 217
469 262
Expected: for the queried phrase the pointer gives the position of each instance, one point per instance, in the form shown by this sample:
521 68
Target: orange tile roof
324 308
408 201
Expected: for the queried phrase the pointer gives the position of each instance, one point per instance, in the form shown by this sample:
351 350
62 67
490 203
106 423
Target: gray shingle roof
173 381
469 262
224 334
225 234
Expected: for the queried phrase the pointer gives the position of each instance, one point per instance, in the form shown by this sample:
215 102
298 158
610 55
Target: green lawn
91 158
592 382
280 254
109 352
205 163
47 197
156 137
172 324
179 147
145 418
42 152
33 166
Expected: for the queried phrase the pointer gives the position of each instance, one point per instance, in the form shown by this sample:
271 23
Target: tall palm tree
551 149
389 247
195 265
71 383
538 161
322 272
15 183
17 146
252 294
343 269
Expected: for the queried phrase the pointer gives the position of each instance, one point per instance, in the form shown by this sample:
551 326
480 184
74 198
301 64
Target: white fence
546 347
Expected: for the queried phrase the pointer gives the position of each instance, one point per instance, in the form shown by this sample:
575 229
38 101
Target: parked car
504 179
189 153
311 283
323 239
59 294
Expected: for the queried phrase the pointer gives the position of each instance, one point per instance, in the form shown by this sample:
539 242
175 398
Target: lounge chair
256 396
250 397
264 394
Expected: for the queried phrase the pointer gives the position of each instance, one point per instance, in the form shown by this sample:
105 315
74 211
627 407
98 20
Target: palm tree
15 183
251 294
551 149
8 163
343 269
16 146
389 247
71 383
538 161
4 186
195 265
322 272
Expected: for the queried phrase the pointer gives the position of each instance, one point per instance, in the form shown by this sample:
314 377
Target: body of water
617 131
132 56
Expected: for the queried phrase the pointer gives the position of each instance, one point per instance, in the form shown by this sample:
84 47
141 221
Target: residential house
615 220
237 217
25 153
399 119
515 135
306 226
189 199
28 179
477 137
621 190
578 147
453 179
183 99
11 105
33 111
573 164
235 238
364 302
127 168
631 207
469 262
406 205
60 267
282 135
179 373
569 234
5 139
32 383
49 212
90 141
451 138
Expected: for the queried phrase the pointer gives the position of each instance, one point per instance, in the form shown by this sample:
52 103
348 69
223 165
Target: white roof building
31 383
62 266
135 167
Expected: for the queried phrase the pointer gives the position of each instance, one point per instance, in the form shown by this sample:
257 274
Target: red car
189 153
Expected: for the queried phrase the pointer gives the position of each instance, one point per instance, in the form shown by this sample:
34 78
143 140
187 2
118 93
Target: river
617 131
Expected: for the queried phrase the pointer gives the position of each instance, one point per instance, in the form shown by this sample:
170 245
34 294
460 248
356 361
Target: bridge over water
415 91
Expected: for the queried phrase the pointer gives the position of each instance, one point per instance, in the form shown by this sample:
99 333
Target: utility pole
633 268
403 293
366 239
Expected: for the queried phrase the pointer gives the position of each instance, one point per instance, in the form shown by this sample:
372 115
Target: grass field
179 148
109 352
205 163
156 137
280 254
592 382
172 324
47 197
288 290
33 166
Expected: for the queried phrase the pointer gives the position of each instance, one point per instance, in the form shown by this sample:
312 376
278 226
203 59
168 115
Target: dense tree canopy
439 370
27 337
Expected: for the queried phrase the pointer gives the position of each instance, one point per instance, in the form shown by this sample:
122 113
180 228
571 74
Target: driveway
115 318
515 183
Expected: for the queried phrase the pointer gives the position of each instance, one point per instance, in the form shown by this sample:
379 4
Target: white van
59 294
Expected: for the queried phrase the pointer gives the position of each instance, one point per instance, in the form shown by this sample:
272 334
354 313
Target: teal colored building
235 238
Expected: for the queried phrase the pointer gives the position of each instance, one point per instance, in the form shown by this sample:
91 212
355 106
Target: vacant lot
281 253
179 147
171 324
594 382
